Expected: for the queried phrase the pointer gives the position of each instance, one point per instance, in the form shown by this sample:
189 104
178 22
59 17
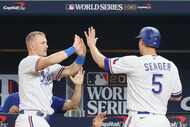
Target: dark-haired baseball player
152 79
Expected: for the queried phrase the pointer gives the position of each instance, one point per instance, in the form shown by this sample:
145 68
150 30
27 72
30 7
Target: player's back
150 84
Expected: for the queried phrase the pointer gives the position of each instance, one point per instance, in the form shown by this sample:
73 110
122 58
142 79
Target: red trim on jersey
30 121
177 93
59 73
176 96
115 60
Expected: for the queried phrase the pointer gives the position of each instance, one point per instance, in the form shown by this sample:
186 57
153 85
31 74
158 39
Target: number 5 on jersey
157 85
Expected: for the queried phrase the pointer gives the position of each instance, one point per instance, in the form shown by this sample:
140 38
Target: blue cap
151 36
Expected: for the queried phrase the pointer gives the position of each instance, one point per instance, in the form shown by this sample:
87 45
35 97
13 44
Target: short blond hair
32 35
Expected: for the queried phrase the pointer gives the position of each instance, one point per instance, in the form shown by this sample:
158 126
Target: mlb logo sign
70 7
103 79
97 78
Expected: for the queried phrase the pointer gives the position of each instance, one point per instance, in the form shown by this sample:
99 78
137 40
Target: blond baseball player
152 79
36 74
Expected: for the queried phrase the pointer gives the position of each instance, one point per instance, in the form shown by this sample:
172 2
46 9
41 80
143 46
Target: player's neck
150 51
30 53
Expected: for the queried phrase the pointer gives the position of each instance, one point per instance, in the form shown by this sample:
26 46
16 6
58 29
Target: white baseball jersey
35 88
151 81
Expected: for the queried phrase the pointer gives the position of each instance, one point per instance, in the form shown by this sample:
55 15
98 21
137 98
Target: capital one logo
8 85
19 6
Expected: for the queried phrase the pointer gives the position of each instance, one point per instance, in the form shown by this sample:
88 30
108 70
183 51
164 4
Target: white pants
146 120
26 120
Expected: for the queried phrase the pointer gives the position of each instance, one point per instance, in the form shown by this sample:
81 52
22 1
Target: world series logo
105 93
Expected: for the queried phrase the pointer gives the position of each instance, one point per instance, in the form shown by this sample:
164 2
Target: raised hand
91 37
77 43
79 46
84 47
79 77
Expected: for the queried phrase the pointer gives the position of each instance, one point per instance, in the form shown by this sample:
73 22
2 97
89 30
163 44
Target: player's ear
31 45
141 43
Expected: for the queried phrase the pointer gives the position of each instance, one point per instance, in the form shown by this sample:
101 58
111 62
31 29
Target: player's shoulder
28 59
168 61
22 62
131 57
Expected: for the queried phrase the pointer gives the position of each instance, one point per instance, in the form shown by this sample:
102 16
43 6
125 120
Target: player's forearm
175 98
71 69
51 59
76 96
57 57
97 56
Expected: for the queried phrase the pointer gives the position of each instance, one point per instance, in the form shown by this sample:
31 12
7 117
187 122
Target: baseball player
11 104
152 79
36 73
